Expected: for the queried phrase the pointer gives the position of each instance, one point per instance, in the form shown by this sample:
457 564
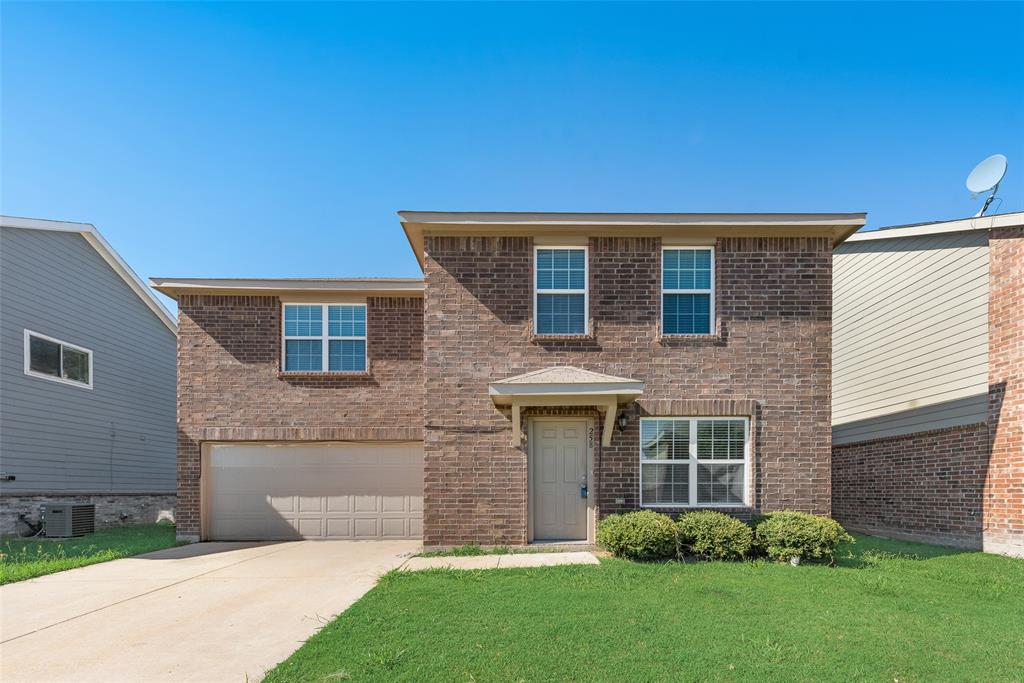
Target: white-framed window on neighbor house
687 290
324 338
694 461
560 299
57 360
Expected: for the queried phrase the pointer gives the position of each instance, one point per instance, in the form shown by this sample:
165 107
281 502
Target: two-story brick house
547 370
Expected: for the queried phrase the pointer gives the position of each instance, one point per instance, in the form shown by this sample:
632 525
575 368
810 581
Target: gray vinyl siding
910 335
120 435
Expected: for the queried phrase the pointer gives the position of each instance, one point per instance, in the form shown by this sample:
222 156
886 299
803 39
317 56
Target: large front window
561 291
325 336
694 461
687 290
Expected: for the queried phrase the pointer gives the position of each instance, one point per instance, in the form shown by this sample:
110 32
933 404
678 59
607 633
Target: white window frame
42 375
585 292
694 461
710 291
325 339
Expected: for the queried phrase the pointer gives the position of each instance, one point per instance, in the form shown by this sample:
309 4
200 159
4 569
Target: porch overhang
564 386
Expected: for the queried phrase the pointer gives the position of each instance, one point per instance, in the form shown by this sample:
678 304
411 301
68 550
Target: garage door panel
366 503
366 527
277 503
339 528
394 528
416 527
339 504
311 504
364 491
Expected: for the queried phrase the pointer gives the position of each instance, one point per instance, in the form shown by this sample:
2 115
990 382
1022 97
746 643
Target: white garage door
352 491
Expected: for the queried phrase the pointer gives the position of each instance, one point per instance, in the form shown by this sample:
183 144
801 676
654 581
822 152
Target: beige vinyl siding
910 334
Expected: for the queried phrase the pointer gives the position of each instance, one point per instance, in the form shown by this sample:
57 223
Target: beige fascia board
552 219
1004 220
696 226
314 288
563 392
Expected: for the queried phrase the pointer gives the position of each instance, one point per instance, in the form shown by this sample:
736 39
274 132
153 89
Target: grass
474 550
27 558
889 611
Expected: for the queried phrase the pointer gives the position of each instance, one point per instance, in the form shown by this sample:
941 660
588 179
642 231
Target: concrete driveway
209 612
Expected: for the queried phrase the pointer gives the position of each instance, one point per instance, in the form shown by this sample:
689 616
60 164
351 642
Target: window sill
321 373
670 339
698 506
562 337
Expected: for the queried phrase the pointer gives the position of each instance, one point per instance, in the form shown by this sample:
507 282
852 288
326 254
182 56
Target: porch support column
611 408
516 422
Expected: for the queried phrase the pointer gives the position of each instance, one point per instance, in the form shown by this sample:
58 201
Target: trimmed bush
785 535
713 536
644 535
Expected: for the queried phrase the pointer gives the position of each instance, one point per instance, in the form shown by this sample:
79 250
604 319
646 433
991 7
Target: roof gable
103 248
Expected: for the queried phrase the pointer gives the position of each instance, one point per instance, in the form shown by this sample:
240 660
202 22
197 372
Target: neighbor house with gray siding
926 382
87 379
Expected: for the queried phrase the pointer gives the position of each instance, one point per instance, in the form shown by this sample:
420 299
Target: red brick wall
772 349
1004 486
230 385
925 486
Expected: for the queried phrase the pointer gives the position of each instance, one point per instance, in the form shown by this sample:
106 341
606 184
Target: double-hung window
560 288
325 337
51 358
694 461
687 290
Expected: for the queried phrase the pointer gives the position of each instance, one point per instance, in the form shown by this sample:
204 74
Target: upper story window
560 302
694 461
687 290
59 361
325 337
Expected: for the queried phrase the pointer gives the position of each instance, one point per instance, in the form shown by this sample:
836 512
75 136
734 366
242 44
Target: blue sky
278 140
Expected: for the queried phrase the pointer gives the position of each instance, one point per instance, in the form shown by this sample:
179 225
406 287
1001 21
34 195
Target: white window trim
585 292
712 327
325 338
693 461
42 375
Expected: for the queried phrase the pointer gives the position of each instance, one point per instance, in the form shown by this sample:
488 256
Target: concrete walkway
209 612
499 561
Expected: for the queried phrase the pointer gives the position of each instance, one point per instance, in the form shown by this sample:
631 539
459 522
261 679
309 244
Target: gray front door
559 472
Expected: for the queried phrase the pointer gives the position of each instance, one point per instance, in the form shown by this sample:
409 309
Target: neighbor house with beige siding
920 383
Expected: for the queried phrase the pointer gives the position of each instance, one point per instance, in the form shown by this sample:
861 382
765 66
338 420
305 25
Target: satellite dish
986 176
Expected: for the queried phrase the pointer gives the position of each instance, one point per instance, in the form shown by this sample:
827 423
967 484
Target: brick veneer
112 509
925 486
771 351
230 384
1004 485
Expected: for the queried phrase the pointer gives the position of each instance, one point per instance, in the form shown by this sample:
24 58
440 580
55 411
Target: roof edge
554 218
838 226
175 287
999 220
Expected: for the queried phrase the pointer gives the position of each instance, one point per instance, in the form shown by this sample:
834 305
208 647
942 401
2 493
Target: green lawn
24 558
889 612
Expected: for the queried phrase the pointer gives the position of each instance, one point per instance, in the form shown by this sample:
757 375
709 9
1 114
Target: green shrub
714 536
644 535
785 535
